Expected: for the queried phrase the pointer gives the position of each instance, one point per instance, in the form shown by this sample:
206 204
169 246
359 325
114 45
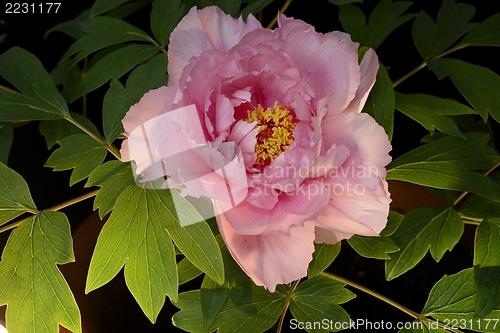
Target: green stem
389 301
470 219
463 194
112 149
282 11
53 209
373 293
287 303
422 65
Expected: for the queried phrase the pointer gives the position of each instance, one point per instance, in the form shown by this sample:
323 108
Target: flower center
275 133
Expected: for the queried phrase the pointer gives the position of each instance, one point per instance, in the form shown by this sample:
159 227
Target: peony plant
235 159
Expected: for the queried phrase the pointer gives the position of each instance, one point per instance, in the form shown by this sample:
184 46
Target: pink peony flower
267 124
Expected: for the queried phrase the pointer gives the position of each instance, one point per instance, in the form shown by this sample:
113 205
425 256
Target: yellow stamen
276 131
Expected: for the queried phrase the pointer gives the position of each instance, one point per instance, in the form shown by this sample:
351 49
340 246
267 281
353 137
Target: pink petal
329 236
270 259
292 208
366 140
369 68
203 30
330 65
152 104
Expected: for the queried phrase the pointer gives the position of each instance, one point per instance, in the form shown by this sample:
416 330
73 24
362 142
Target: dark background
120 312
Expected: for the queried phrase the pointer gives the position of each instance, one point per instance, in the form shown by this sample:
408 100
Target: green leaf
114 65
187 271
71 27
343 2
373 247
247 308
478 207
487 33
470 154
127 9
385 18
164 18
432 38
476 83
113 177
323 256
431 112
55 130
380 102
212 298
15 197
442 163
487 266
79 152
40 98
231 7
118 100
393 222
2 37
6 138
453 298
254 7
101 32
434 228
442 176
316 300
102 6
37 296
192 235
135 236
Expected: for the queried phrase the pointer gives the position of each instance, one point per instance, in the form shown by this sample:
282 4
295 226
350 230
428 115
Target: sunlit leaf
487 33
380 102
113 177
453 298
79 152
6 138
384 19
55 130
437 229
164 18
317 299
102 6
323 256
487 267
373 247
432 38
114 65
476 83
40 98
118 100
15 197
431 112
136 236
37 296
